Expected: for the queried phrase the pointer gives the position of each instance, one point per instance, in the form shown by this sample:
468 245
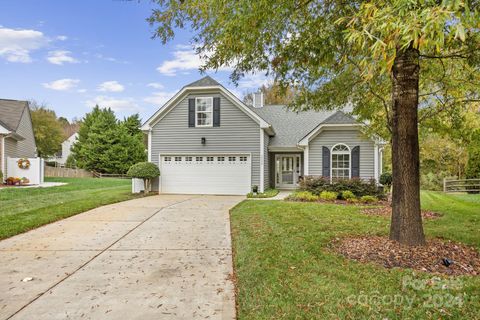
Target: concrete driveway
160 257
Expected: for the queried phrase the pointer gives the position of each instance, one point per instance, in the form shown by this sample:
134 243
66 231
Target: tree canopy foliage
108 145
47 130
273 94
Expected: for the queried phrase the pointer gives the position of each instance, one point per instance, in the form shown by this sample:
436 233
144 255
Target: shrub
347 194
433 180
386 179
302 196
328 195
146 171
352 200
368 199
71 162
473 165
357 186
1 176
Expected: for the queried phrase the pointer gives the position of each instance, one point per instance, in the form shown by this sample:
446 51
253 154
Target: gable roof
206 83
291 127
11 112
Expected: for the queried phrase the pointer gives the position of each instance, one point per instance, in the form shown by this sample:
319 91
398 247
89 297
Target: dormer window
204 111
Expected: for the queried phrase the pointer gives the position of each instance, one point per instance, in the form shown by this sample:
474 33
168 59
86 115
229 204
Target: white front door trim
296 170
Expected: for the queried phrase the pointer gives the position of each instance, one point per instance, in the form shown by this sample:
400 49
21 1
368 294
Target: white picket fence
461 185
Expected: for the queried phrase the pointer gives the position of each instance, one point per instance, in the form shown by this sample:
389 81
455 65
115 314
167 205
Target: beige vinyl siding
238 133
25 148
350 137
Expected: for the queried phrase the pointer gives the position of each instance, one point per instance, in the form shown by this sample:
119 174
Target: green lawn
25 209
285 270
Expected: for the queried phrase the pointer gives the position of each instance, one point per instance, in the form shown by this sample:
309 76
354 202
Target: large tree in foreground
387 58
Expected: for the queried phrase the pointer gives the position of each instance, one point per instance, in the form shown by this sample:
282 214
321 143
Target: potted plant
255 189
25 180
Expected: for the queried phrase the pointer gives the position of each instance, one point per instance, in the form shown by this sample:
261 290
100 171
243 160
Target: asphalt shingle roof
290 127
204 82
11 113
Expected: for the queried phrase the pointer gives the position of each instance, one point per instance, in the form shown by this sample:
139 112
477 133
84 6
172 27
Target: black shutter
325 162
216 112
191 112
356 162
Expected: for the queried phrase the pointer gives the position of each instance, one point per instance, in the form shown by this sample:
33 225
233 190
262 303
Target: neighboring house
205 140
61 157
16 132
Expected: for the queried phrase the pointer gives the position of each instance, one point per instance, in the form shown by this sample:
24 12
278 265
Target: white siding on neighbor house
350 137
238 133
25 148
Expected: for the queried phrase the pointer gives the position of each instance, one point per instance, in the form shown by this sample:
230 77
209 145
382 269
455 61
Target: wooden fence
67 172
109 175
463 185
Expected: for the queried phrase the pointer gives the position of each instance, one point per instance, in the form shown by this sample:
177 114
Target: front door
287 170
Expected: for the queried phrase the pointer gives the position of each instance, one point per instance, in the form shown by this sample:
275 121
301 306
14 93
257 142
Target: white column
262 160
375 162
149 147
305 161
3 159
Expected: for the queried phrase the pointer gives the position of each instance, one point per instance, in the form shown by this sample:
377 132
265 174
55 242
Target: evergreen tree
107 145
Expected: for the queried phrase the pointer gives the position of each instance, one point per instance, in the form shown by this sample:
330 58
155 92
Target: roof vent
258 99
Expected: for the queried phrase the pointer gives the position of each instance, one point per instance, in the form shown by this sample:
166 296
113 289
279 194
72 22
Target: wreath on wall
23 163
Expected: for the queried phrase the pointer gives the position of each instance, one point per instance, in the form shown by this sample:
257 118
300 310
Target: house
61 157
16 132
205 140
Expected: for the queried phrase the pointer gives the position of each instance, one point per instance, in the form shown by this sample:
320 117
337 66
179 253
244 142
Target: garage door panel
206 177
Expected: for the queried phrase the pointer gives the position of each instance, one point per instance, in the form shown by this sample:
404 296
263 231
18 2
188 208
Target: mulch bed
390 254
386 211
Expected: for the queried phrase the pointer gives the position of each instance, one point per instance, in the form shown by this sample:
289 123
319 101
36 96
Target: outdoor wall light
204 141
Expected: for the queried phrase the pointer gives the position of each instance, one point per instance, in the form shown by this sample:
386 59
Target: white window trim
349 152
210 112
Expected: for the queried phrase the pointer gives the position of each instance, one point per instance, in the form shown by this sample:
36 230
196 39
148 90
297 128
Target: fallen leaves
391 254
386 211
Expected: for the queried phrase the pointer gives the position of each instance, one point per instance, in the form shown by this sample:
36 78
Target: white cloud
60 57
155 85
116 104
185 58
110 59
16 45
254 81
62 38
62 84
111 86
82 90
159 97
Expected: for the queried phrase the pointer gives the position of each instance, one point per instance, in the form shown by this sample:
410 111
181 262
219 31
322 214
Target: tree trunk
406 226
146 186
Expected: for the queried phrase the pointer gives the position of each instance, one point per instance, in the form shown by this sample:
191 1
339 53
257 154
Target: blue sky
71 55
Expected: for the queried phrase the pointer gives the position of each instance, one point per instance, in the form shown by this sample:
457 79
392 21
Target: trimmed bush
386 179
302 196
368 199
347 194
146 171
357 186
328 195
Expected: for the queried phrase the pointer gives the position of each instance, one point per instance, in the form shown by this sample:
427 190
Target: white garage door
205 174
